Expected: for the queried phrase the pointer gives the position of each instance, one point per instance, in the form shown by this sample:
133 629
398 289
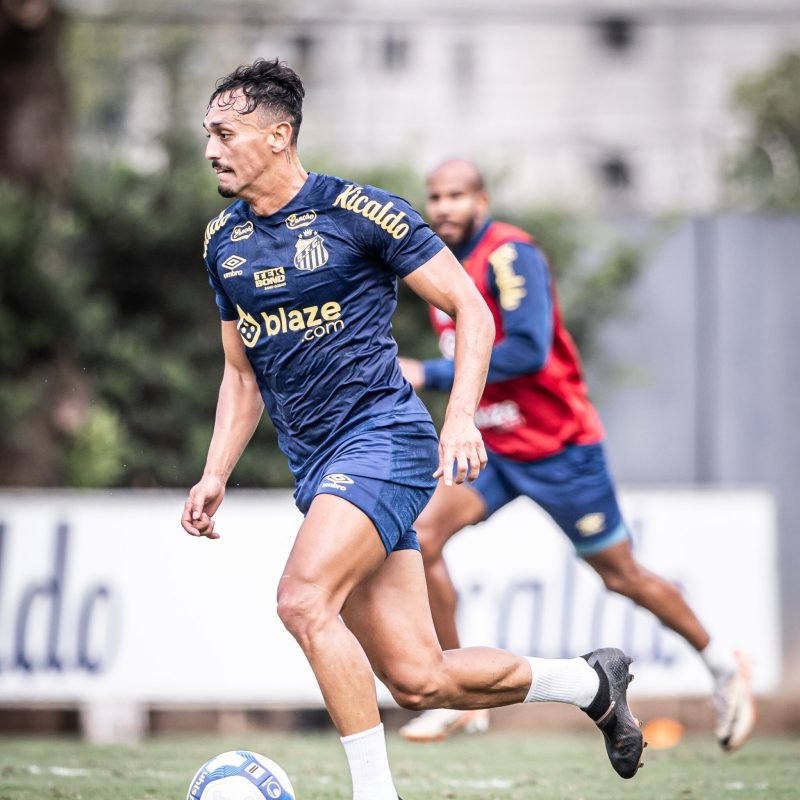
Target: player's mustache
218 165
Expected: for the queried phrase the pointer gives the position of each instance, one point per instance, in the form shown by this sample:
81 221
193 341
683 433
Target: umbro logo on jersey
336 481
294 221
231 266
241 232
310 251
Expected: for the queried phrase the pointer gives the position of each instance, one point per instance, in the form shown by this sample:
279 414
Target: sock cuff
353 737
602 699
531 691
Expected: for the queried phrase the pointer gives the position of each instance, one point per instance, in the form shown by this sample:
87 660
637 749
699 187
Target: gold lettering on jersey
242 232
294 221
213 227
248 327
353 199
510 285
314 321
270 278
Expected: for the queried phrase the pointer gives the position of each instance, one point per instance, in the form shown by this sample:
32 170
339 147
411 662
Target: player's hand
201 505
413 372
460 442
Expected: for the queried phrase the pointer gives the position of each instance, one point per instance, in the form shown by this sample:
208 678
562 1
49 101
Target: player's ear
280 136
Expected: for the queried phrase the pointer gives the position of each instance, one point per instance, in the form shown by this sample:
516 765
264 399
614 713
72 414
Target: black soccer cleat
609 710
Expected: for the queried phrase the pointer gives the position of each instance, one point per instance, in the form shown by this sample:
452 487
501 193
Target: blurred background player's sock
720 659
369 765
562 680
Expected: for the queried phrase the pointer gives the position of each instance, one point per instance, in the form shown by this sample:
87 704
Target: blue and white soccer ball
240 775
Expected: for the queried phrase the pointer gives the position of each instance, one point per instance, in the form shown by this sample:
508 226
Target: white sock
369 765
720 660
562 680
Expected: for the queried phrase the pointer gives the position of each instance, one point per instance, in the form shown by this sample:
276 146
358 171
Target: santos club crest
310 251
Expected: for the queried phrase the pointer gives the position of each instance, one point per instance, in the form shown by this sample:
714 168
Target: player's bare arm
443 283
239 409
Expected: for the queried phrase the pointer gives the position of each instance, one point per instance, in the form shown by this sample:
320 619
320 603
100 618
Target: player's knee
431 540
413 698
622 581
413 688
302 609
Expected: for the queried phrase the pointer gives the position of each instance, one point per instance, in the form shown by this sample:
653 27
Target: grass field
507 766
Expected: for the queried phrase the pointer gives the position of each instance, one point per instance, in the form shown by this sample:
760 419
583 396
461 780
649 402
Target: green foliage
592 265
765 172
93 454
116 362
39 327
156 358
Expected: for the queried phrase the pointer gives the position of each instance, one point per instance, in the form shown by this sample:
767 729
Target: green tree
764 173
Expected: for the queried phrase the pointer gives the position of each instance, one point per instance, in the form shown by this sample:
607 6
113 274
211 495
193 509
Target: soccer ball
240 775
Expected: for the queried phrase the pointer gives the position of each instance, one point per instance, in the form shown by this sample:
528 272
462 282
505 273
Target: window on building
464 64
304 46
615 172
395 52
617 32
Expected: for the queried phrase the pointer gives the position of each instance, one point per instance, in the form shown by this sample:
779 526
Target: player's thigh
451 509
336 548
390 616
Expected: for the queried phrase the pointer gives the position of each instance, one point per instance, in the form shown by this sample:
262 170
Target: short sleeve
390 230
226 310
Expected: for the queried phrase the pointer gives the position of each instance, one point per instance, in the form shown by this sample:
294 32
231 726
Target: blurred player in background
544 440
305 268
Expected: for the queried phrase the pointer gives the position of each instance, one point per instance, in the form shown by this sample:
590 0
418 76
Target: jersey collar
464 251
297 202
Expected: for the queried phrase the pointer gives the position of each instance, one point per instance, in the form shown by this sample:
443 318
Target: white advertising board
102 595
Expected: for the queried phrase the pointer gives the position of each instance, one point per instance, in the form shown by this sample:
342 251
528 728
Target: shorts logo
336 481
231 266
310 251
591 524
242 232
248 328
271 278
294 221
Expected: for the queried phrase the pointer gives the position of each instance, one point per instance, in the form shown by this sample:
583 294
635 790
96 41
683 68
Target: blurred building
602 104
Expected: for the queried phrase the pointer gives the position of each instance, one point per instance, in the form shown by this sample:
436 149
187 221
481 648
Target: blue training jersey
313 288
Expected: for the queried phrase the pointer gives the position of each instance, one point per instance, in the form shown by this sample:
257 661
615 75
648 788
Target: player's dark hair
272 86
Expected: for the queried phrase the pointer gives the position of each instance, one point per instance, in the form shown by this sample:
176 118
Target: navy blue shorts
574 487
386 472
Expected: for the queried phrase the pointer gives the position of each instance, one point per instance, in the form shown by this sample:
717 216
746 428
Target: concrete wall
710 386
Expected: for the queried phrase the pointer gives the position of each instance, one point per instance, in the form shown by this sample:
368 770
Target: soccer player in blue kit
304 267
